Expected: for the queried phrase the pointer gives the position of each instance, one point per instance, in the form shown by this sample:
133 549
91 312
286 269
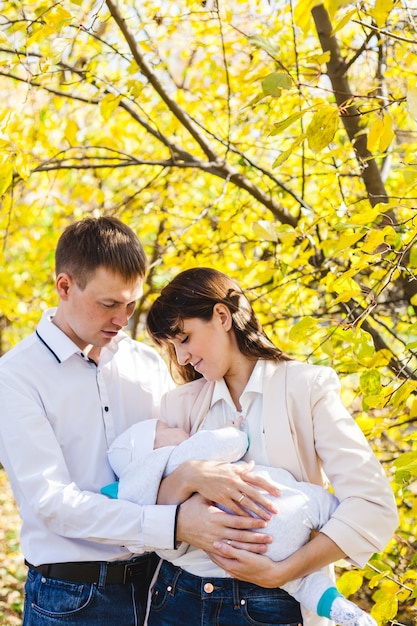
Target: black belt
121 572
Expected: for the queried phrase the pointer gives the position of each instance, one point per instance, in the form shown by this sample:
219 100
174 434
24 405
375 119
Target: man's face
95 314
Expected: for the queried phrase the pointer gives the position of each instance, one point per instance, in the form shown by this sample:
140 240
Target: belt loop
177 573
103 575
236 594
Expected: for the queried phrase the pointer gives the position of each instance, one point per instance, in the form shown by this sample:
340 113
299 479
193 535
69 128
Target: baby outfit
303 507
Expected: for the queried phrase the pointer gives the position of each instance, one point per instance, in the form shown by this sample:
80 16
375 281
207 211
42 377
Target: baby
150 450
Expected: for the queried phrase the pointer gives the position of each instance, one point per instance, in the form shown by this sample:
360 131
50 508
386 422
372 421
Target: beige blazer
310 433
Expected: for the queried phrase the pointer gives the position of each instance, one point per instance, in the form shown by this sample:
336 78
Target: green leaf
278 127
274 83
264 44
302 329
370 382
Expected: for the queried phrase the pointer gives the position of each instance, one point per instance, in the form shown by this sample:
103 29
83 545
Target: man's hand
201 524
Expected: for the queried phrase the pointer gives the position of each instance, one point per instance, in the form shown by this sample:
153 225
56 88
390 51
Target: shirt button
106 408
208 588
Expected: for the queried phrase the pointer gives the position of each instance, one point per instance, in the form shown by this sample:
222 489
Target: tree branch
336 70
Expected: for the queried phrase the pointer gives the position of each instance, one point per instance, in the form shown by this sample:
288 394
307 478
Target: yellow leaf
3 39
302 13
366 217
284 155
322 128
345 283
374 135
58 46
22 165
39 35
71 130
264 230
385 610
345 296
349 582
108 105
58 17
366 424
346 241
373 240
413 409
381 11
344 20
6 176
387 133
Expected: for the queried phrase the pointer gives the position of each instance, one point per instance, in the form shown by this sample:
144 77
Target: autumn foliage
273 140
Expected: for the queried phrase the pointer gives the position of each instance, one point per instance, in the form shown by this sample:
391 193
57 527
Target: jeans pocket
264 611
161 593
66 598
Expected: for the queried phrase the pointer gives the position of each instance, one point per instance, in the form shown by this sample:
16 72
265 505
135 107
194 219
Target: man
66 392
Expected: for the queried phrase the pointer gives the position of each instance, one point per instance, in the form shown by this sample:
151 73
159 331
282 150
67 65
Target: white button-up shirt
59 413
222 410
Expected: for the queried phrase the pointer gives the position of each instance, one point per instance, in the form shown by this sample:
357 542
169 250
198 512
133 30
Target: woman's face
210 346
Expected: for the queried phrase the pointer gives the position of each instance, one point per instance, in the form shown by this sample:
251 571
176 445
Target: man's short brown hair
105 242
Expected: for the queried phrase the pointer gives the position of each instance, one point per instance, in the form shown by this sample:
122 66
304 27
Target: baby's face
167 436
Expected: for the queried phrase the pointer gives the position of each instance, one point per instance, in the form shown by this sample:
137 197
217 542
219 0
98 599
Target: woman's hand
247 565
233 486
262 571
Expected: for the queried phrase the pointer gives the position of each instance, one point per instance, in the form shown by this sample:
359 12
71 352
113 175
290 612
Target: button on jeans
53 602
179 598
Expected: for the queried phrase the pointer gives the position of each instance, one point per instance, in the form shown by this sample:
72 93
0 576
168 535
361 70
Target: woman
294 419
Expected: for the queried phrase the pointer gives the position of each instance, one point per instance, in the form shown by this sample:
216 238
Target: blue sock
325 603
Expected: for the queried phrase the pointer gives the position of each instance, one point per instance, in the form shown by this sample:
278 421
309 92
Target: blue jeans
50 602
181 598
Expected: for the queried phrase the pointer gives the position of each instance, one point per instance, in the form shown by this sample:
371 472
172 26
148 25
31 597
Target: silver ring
241 498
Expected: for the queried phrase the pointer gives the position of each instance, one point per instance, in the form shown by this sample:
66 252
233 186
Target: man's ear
222 312
63 285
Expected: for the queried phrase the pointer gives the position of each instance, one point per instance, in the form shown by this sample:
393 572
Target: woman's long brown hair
193 294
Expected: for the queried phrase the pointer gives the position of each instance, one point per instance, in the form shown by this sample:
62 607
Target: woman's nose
183 355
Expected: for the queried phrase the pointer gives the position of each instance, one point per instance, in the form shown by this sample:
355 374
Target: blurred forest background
274 140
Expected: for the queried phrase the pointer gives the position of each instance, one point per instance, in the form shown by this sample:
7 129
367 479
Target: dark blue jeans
181 598
50 602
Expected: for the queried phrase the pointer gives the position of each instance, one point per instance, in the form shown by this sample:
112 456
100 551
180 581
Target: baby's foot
345 613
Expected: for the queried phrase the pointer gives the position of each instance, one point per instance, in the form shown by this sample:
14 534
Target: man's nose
121 318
